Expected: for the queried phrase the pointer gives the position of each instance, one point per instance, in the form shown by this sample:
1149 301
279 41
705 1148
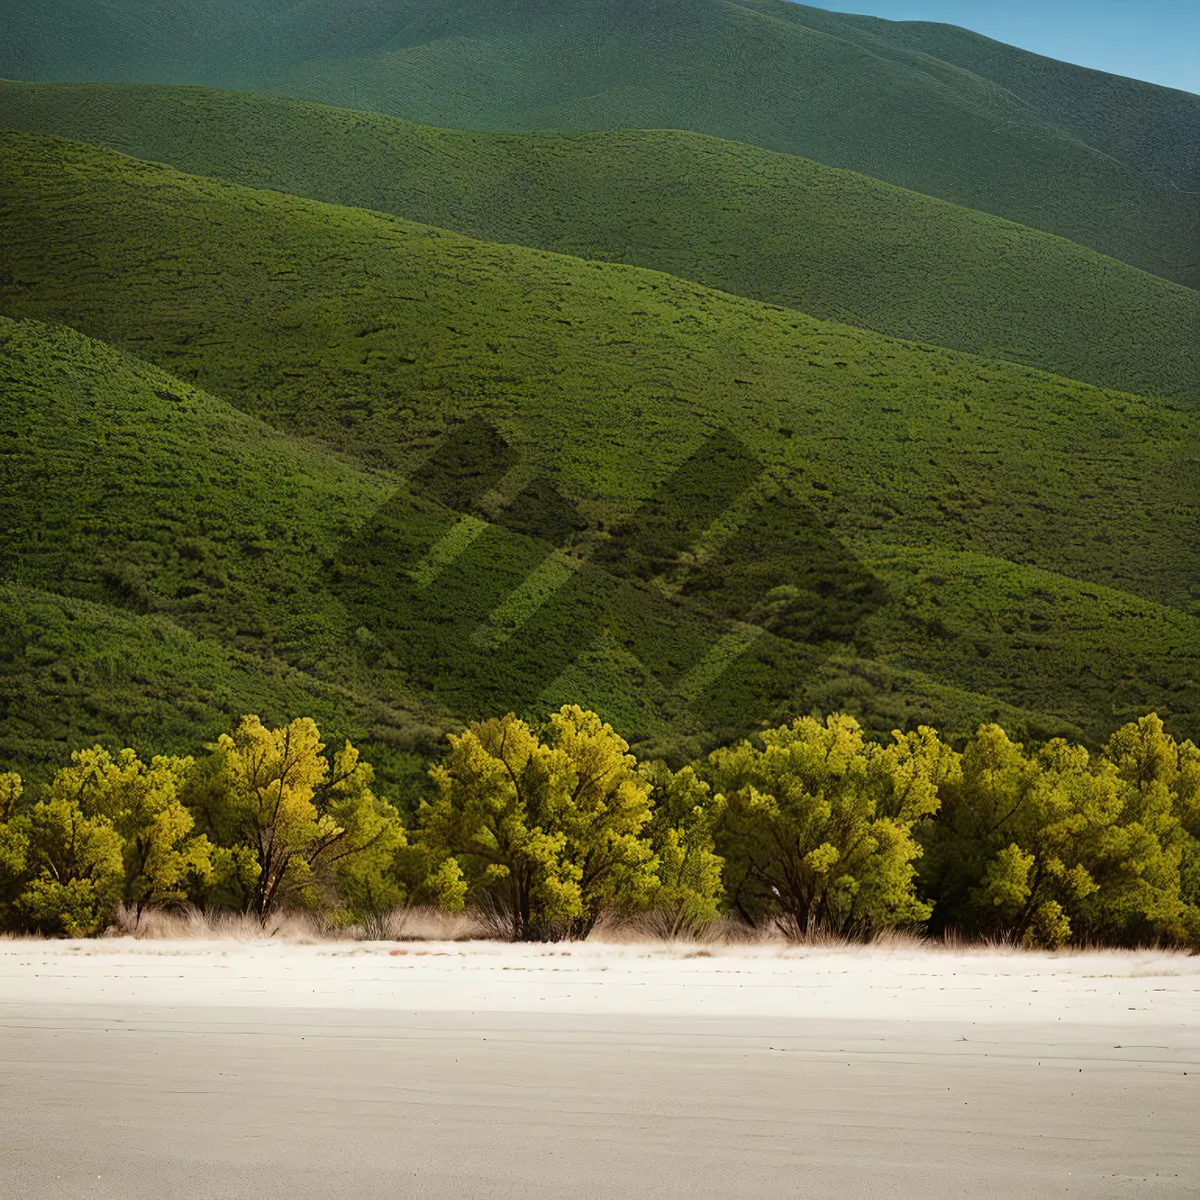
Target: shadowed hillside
475 495
773 227
848 92
155 575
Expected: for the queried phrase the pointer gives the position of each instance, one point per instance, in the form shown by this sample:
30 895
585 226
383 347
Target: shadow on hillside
484 586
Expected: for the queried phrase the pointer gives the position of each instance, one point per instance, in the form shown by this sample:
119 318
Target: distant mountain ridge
773 227
1144 125
1106 163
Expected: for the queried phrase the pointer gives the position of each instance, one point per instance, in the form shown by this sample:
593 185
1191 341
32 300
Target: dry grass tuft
402 924
420 924
188 922
493 924
666 928
427 924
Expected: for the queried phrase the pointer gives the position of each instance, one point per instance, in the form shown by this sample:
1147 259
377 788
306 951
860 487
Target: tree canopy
819 831
546 827
1060 844
546 821
296 826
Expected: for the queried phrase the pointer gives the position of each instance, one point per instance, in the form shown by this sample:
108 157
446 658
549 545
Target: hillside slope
1148 127
824 88
157 564
376 334
199 566
773 227
573 480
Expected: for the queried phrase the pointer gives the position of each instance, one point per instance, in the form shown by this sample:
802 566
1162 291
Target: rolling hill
1148 127
132 600
467 477
773 227
1060 154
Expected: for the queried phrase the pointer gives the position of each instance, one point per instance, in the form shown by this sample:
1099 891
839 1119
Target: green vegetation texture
174 541
1149 127
831 243
420 475
546 827
1107 164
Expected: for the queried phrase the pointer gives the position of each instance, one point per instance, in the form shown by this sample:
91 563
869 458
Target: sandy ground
1118 988
225 1069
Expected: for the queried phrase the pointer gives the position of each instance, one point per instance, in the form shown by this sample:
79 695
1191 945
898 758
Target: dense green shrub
685 817
545 823
296 828
161 856
1060 845
820 824
807 828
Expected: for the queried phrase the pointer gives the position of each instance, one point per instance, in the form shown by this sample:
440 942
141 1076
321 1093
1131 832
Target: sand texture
224 1070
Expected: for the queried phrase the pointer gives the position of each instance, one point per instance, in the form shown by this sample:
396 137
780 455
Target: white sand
1109 988
278 1071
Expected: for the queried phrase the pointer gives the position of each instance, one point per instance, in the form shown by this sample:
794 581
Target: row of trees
807 827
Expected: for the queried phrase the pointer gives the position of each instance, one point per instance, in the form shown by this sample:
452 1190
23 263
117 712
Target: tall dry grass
426 924
492 923
663 928
189 923
418 924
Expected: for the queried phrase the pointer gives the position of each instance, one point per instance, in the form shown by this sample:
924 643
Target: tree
1160 783
819 825
684 818
296 827
603 819
11 790
143 803
110 829
74 867
545 824
1047 847
1036 882
14 846
994 781
1185 792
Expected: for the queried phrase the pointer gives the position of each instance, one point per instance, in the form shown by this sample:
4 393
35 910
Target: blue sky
1157 40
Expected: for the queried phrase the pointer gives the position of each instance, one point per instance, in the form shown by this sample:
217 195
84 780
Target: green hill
493 477
76 672
1150 128
773 227
845 92
198 557
138 514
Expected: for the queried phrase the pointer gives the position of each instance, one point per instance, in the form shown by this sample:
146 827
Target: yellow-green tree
11 790
164 859
14 846
546 823
995 780
74 869
1056 845
819 824
1160 789
684 818
296 827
